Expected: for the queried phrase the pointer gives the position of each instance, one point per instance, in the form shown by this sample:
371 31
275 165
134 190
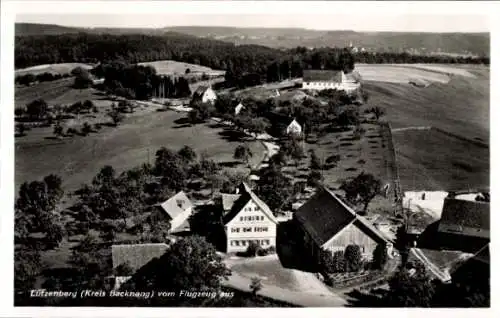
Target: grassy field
61 68
169 67
460 106
398 74
55 92
431 160
78 159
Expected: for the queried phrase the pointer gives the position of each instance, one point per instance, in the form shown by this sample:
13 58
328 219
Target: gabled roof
177 205
322 76
294 122
136 255
324 215
247 195
201 90
464 217
228 200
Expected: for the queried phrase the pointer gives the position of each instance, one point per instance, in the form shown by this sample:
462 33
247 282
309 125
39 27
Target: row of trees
138 81
30 78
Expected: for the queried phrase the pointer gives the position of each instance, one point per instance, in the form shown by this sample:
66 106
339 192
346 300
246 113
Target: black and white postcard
158 155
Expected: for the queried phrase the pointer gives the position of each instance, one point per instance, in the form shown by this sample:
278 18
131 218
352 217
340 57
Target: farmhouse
204 94
247 218
134 256
178 209
328 223
328 79
294 128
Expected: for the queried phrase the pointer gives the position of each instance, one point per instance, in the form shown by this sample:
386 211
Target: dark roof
201 89
322 76
324 215
136 255
463 217
246 195
228 200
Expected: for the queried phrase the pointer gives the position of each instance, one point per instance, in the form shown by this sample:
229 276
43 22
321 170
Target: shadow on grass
229 164
359 299
181 126
233 135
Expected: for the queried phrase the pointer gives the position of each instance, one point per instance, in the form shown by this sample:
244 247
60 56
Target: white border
11 8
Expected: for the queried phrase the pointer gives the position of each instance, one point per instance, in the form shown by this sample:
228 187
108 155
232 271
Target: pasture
169 67
430 160
460 107
397 74
78 159
56 92
61 68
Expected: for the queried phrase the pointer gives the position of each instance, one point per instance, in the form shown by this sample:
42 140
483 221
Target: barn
327 223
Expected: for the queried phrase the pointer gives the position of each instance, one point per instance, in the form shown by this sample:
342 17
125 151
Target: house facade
248 219
204 94
327 223
294 128
178 209
328 79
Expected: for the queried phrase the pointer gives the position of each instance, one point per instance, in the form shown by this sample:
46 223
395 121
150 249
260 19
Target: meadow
61 68
135 140
169 67
430 160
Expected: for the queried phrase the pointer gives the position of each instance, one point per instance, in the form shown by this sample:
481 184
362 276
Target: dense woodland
243 59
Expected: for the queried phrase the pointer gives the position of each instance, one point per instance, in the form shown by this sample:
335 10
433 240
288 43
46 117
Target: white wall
330 85
209 96
238 223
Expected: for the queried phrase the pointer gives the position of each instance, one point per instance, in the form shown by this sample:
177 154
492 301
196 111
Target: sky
363 22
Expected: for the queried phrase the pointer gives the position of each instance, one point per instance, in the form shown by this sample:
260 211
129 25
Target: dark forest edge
136 48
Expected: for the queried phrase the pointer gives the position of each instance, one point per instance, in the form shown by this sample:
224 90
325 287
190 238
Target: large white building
328 79
247 219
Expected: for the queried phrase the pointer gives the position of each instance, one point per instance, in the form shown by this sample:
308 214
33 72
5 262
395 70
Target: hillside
476 43
455 153
26 29
462 43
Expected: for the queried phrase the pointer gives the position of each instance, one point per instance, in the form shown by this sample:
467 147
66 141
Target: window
262 242
237 243
244 243
247 229
235 230
256 208
267 242
241 218
232 243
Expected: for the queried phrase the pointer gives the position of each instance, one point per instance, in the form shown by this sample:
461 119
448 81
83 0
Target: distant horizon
242 27
404 23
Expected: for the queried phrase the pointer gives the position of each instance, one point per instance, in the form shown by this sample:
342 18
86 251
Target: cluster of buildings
325 221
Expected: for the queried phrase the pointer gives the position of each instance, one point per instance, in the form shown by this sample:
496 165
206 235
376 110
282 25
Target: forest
235 59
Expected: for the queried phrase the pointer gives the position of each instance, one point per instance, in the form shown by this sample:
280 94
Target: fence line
393 166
